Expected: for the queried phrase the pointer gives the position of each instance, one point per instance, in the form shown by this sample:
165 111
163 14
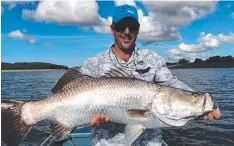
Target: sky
70 32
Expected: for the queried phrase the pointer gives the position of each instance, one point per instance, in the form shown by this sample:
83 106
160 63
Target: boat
78 137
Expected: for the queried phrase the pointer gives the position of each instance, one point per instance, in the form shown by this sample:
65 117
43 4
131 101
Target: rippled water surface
220 82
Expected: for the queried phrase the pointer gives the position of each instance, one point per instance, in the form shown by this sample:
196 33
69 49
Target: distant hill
211 62
31 65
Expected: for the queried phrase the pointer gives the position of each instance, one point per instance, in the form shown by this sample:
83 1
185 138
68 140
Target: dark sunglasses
121 26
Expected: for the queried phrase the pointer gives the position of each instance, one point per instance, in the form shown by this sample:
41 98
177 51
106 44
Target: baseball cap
124 11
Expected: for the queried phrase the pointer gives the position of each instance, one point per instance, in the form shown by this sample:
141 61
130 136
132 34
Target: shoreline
32 70
202 65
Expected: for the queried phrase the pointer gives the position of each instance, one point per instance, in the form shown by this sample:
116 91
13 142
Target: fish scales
97 96
136 103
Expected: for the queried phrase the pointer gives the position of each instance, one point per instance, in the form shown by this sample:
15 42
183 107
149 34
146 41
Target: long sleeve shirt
143 64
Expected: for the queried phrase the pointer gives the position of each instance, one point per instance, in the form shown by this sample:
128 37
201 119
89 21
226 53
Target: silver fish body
136 103
113 97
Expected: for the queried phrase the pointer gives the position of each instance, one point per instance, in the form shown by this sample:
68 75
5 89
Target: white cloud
152 31
202 33
209 41
85 28
164 19
104 26
65 12
205 43
17 34
31 40
175 54
232 15
212 41
121 2
190 48
10 4
179 13
160 24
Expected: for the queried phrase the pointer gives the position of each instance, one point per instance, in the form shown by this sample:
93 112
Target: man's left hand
215 114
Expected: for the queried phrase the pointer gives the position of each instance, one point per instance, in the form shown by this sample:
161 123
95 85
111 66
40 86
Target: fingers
215 114
210 116
93 122
98 119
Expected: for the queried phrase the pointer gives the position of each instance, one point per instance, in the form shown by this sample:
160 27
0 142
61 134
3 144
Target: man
139 63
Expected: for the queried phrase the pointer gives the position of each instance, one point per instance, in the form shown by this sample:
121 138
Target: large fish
138 104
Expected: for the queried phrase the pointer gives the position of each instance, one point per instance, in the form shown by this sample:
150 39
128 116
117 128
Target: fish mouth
208 103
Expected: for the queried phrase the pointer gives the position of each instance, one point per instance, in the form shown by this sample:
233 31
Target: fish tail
14 128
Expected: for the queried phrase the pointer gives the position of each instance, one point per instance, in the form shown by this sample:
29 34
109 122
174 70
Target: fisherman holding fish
141 64
131 87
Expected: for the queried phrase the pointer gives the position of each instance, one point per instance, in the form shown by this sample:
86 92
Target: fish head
181 106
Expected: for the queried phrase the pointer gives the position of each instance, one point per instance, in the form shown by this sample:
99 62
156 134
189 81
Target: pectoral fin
137 113
132 132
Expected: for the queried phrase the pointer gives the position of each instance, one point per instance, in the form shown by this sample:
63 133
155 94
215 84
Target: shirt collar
118 60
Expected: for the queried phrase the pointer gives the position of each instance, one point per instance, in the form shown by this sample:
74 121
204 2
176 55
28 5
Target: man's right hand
99 119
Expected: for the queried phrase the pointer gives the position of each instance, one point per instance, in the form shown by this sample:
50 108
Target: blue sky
70 32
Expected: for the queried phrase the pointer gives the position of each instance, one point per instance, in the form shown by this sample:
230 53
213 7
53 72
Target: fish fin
68 77
132 132
117 72
137 113
14 129
48 141
59 130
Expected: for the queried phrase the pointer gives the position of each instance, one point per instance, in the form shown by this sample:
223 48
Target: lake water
220 82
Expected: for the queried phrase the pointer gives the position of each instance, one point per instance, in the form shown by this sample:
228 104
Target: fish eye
196 94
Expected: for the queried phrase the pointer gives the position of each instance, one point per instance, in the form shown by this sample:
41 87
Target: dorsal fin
117 72
68 77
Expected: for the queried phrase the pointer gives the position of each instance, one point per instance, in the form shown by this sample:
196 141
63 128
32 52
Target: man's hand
99 119
214 114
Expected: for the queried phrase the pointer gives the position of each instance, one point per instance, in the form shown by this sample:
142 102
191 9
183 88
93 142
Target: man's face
125 33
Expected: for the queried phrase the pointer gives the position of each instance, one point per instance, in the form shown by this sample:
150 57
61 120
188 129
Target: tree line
31 65
214 61
209 60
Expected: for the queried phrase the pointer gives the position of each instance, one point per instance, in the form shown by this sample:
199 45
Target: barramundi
136 103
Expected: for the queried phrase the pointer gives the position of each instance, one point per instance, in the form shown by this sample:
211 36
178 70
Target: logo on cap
125 11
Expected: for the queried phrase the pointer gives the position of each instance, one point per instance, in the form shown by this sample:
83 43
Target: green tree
183 61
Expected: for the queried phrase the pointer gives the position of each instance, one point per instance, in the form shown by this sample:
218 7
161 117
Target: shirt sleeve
95 66
91 67
163 76
87 70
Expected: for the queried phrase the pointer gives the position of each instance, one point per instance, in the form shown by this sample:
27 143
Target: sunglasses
121 26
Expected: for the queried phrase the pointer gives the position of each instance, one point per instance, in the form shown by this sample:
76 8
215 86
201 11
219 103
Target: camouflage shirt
143 64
